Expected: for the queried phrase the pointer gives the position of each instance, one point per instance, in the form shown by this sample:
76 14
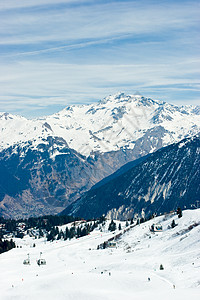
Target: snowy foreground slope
77 270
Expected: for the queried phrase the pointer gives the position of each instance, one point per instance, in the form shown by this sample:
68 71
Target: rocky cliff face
47 163
47 178
165 180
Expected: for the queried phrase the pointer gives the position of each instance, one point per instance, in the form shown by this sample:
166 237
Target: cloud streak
66 84
12 4
78 51
97 21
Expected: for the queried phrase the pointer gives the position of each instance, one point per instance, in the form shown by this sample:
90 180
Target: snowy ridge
159 183
113 123
75 269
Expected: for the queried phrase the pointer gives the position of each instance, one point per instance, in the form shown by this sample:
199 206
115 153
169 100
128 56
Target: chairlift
27 260
41 261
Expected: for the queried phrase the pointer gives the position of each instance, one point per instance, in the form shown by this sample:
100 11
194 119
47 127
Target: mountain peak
116 122
8 116
112 98
137 93
121 97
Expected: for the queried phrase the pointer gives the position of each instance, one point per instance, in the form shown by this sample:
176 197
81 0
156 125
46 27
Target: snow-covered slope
161 182
116 122
77 270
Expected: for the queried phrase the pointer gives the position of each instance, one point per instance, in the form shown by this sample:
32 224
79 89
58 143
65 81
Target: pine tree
56 230
112 226
40 233
51 235
84 231
66 235
161 267
102 219
59 236
173 224
72 232
6 245
78 232
179 212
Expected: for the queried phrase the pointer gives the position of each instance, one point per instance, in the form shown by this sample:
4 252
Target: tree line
74 231
43 222
6 245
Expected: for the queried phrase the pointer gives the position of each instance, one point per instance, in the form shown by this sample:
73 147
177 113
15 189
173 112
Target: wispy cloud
12 4
95 21
65 84
72 51
68 47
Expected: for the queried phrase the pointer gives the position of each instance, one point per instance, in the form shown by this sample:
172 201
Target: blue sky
80 51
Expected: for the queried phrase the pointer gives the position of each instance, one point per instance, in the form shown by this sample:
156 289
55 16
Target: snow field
116 122
77 270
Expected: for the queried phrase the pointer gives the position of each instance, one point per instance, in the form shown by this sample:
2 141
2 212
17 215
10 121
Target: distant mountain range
47 163
115 122
165 180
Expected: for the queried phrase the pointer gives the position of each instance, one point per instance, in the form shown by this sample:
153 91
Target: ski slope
76 270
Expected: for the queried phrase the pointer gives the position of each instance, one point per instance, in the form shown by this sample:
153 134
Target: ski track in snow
76 270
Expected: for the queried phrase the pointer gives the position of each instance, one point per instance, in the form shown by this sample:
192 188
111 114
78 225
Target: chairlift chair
27 261
41 261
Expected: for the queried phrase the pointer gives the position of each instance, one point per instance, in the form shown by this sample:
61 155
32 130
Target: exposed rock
163 181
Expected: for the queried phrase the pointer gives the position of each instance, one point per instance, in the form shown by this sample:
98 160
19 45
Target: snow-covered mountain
75 269
52 161
166 179
116 122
